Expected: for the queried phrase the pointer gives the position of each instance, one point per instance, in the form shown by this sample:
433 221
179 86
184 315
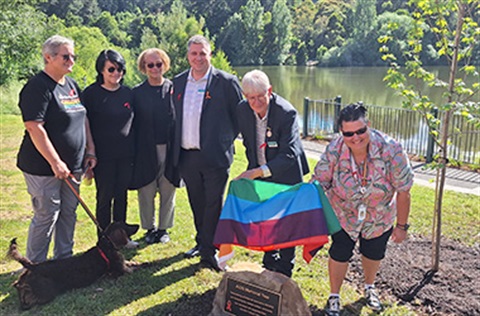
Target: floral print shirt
388 172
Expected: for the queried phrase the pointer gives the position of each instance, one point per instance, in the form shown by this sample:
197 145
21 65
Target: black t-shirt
110 114
153 107
44 100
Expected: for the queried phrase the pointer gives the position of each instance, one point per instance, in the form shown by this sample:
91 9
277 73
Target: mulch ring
405 274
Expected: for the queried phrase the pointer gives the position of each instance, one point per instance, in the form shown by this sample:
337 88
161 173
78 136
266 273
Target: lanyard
362 208
363 180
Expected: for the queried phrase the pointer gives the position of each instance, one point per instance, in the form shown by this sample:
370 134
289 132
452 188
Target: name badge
362 212
272 144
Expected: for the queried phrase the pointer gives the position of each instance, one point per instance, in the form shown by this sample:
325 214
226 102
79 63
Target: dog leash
79 198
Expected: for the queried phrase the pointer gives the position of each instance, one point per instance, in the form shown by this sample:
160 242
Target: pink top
388 171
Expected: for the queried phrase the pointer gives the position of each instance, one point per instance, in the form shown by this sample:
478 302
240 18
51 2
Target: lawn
168 284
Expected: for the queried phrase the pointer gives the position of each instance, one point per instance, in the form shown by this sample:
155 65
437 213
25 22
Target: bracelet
91 156
403 227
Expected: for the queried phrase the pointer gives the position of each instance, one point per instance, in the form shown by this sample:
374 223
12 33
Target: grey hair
199 39
255 81
52 45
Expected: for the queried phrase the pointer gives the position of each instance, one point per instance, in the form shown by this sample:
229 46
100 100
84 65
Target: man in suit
205 100
269 126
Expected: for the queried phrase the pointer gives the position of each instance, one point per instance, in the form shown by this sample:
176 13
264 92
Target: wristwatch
403 227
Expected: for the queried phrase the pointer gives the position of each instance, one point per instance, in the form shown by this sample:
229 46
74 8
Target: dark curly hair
114 57
352 112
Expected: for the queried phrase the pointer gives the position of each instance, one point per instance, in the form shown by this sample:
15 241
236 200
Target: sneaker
151 236
333 306
131 244
372 299
162 236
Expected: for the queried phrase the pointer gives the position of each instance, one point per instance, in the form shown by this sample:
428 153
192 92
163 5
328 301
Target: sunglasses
358 132
67 57
112 69
151 65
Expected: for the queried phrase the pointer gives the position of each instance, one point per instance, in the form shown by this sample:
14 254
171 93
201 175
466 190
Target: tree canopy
244 32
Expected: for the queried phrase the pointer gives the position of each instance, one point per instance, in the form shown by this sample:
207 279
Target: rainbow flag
264 216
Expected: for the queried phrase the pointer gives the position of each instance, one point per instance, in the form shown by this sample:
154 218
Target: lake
361 84
366 84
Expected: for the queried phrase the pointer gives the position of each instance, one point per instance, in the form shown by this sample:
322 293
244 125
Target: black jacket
284 150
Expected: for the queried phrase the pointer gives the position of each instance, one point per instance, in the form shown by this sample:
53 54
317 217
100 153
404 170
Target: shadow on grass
8 291
200 304
351 309
107 295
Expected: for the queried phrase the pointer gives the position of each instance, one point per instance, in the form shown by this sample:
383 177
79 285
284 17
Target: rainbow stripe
264 216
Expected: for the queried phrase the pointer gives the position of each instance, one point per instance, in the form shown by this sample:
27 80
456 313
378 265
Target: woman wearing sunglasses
367 177
154 123
110 113
55 145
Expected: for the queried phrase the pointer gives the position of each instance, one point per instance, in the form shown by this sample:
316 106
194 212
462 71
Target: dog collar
102 254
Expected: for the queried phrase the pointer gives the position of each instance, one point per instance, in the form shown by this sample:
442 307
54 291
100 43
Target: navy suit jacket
218 124
284 150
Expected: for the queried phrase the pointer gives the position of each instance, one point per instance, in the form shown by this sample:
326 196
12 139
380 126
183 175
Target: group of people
161 133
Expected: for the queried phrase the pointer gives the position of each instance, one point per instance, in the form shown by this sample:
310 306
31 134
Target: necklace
362 207
363 180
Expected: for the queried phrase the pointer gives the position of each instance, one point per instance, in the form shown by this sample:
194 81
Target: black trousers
112 178
205 188
280 260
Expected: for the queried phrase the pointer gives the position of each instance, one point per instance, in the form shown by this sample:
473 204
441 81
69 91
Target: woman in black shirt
110 113
154 119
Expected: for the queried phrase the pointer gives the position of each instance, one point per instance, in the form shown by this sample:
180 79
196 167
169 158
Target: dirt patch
405 274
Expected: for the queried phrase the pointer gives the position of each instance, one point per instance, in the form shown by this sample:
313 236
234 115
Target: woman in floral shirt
367 177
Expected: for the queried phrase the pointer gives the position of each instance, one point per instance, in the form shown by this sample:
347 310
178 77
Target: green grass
171 284
9 98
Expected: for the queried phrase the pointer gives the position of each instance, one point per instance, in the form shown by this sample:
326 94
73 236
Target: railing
406 126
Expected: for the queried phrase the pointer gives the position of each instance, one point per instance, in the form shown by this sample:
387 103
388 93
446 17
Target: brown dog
41 283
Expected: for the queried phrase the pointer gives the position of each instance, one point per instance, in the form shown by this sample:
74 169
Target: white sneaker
333 306
372 299
131 244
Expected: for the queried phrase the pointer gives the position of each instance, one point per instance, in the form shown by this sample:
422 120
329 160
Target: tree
230 38
109 26
175 28
364 18
277 35
89 42
303 29
215 12
457 34
252 18
23 32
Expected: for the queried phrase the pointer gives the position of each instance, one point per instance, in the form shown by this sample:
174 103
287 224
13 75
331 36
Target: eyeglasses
151 65
112 69
67 57
259 98
358 132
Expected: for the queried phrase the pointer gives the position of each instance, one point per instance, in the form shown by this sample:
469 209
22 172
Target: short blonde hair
255 81
151 51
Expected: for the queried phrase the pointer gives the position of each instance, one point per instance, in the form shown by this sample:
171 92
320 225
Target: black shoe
151 236
194 252
210 262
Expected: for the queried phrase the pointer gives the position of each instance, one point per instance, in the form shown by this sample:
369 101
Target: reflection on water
354 84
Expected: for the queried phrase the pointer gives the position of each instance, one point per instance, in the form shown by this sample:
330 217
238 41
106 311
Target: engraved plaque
249 299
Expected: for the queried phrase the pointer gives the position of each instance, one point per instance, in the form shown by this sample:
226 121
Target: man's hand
250 174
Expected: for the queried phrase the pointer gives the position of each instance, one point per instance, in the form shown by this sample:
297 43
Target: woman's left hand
398 235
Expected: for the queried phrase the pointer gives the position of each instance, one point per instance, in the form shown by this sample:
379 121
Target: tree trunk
437 217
